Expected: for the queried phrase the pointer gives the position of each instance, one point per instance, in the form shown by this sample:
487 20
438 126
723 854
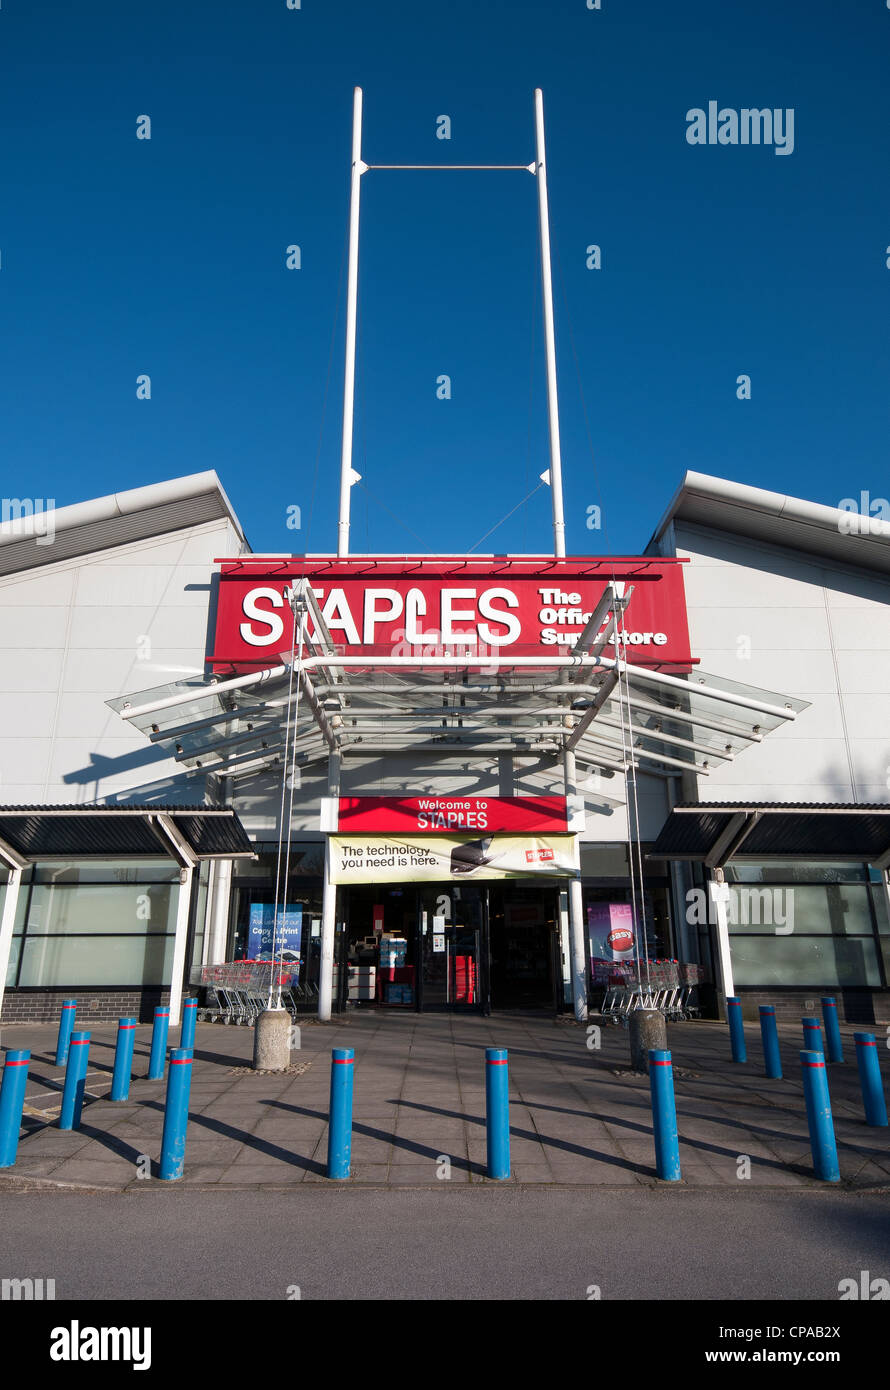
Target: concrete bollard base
647 1030
271 1040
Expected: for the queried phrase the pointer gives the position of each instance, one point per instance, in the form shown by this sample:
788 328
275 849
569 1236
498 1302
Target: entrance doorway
466 947
524 945
452 925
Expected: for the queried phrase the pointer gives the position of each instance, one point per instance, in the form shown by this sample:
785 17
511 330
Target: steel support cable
631 788
312 497
633 802
627 754
505 518
287 725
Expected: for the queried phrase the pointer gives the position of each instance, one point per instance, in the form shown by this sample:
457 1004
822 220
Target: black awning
715 832
29 833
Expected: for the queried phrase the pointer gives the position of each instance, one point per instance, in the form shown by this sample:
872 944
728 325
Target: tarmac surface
461 1242
578 1116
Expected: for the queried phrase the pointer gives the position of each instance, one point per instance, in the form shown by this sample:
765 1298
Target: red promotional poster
439 606
610 928
444 814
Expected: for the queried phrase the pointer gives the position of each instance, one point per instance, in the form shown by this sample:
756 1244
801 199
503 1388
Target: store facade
449 778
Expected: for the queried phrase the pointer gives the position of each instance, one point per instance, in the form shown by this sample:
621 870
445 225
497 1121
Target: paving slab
578 1115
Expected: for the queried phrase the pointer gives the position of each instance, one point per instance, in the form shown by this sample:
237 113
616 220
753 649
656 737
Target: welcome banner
424 858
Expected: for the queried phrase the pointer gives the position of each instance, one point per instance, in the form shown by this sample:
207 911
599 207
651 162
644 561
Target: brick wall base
93 1005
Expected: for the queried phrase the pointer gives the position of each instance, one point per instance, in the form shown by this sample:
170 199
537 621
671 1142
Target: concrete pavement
578 1116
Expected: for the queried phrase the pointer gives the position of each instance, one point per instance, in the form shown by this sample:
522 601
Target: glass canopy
610 713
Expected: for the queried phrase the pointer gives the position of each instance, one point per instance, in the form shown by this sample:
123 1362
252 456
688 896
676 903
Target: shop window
819 962
200 914
604 861
58 871
136 960
879 904
89 909
656 913
803 924
103 922
306 860
299 913
834 909
12 967
794 871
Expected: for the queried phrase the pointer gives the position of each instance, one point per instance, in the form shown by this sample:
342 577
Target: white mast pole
559 528
358 168
577 934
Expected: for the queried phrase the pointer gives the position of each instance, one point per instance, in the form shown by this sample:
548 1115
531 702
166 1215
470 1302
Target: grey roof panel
82 832
798 830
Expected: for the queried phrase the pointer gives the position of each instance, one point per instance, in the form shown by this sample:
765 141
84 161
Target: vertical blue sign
287 938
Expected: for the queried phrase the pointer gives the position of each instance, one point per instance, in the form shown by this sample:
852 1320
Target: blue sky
167 257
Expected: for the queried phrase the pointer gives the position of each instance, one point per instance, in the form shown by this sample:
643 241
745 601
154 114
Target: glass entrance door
524 938
452 928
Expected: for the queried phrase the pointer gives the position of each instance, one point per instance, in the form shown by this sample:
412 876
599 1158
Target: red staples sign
421 815
449 605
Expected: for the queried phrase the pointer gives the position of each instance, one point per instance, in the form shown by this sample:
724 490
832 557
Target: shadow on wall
186 789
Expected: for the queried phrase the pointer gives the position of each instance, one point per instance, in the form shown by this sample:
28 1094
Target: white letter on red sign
461 615
374 616
272 620
336 614
415 604
513 625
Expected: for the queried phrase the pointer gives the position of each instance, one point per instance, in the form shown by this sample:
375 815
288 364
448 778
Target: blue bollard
812 1035
770 1035
12 1102
176 1115
834 1048
75 1081
664 1116
123 1059
66 1025
189 1023
870 1079
821 1125
340 1116
497 1113
736 1029
159 1043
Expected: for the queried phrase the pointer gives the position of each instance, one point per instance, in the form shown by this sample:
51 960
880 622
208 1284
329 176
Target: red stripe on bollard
498 1062
342 1061
814 1064
16 1064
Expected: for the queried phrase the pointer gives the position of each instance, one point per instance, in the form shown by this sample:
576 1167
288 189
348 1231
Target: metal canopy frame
537 706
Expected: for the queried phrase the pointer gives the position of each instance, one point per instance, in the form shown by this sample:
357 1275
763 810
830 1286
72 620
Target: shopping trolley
241 988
